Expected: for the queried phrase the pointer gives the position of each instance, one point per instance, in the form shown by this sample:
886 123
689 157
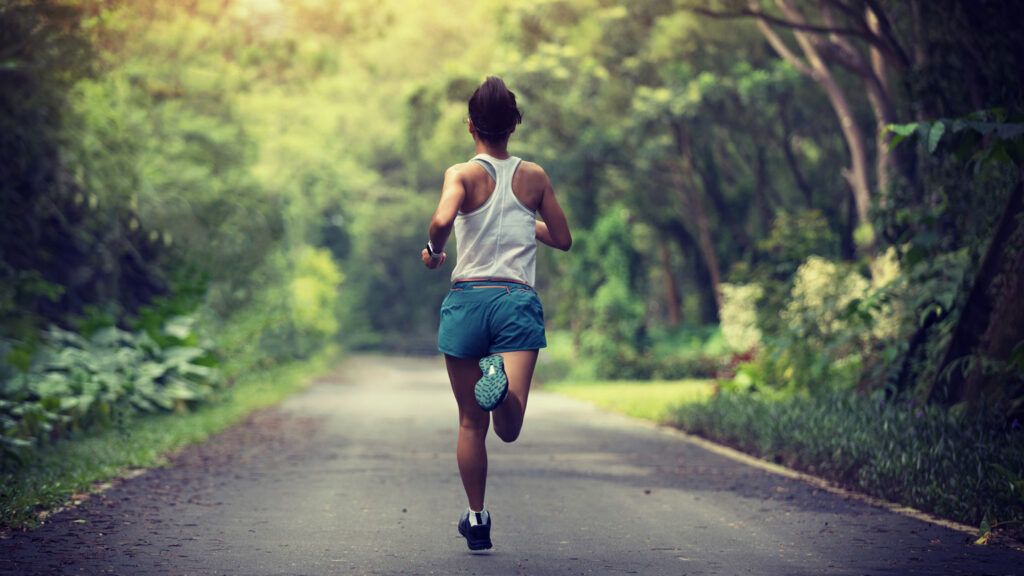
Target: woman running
492 323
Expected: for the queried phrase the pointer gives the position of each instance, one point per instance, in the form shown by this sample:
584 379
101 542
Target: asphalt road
357 475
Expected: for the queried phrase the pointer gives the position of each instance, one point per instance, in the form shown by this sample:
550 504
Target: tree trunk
692 202
847 248
708 311
673 303
710 178
920 50
709 308
991 322
875 77
857 175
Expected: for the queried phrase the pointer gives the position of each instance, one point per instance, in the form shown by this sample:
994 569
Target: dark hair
492 107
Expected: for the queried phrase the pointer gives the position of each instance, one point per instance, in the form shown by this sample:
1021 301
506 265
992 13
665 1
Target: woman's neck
499 152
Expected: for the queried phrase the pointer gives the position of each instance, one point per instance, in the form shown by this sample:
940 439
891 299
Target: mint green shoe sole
492 387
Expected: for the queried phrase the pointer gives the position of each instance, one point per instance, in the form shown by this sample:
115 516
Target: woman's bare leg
471 451
508 416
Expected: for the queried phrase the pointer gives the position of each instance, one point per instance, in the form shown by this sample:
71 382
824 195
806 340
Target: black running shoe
477 537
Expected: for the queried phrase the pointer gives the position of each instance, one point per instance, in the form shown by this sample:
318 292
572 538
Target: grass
918 456
968 467
651 400
78 464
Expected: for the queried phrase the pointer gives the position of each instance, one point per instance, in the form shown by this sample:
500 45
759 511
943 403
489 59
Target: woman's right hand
432 263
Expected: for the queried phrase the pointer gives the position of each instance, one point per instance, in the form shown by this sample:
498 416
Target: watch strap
434 255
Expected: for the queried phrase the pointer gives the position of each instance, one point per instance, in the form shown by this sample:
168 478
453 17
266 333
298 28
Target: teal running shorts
486 317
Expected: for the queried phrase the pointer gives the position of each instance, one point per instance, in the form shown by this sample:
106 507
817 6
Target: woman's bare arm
543 235
453 192
554 230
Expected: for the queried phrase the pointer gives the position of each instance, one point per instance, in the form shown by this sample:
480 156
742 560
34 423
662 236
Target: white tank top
498 239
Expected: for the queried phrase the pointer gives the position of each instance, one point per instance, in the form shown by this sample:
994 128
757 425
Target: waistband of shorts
476 283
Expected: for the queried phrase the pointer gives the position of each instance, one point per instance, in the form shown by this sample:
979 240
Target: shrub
964 466
685 366
609 321
616 327
739 316
75 383
834 320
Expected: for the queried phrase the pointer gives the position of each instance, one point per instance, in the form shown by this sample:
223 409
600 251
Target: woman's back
495 226
528 183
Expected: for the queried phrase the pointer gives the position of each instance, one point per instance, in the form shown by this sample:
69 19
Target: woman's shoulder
533 173
463 172
459 168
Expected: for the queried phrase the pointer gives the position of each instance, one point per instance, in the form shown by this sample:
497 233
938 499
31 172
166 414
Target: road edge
780 470
821 483
306 373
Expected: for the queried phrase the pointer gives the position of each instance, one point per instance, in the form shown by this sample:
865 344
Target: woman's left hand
432 263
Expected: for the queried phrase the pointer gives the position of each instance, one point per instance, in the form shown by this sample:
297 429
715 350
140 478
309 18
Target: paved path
357 476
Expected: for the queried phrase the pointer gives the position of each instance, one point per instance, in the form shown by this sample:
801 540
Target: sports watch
434 255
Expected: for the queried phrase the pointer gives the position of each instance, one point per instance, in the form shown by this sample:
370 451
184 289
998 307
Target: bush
672 355
834 320
75 383
609 299
617 325
739 316
964 466
685 366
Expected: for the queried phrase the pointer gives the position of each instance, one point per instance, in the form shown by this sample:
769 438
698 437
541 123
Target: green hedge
965 467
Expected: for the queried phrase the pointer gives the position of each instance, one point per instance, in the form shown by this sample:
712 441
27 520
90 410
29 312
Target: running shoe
477 537
492 387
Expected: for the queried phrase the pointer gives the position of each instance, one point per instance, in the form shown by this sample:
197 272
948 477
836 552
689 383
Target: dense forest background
808 199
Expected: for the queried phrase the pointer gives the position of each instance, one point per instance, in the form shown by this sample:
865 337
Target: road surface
357 475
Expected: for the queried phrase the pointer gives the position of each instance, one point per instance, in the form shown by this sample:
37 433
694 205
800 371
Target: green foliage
611 322
293 310
687 353
739 316
559 361
393 300
66 247
226 162
76 383
957 465
833 320
313 292
942 246
978 139
671 355
793 238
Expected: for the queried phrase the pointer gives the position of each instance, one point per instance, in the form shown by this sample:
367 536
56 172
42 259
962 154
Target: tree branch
887 44
840 50
764 16
780 46
902 59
